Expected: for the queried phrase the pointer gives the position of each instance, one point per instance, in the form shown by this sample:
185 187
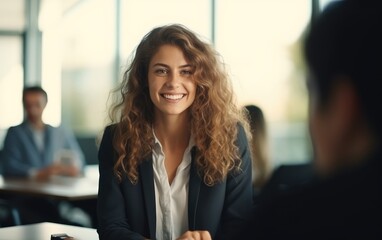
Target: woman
176 163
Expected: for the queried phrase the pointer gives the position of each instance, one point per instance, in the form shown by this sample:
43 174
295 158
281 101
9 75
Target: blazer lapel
147 176
193 192
48 149
30 137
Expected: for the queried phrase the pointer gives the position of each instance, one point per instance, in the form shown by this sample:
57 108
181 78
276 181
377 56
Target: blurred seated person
37 150
259 146
343 52
285 177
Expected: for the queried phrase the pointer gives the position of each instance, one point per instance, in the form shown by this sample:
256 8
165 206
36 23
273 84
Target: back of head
256 119
260 166
346 40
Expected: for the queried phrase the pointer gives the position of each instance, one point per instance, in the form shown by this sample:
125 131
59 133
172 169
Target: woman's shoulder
108 134
110 129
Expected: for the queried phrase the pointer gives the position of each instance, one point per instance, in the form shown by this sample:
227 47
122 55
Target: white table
63 188
43 231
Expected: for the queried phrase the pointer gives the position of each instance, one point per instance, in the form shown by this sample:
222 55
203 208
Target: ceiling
12 13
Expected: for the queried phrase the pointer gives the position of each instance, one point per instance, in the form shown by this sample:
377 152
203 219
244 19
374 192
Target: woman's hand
195 235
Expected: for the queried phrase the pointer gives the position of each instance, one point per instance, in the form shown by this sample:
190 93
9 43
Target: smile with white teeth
173 96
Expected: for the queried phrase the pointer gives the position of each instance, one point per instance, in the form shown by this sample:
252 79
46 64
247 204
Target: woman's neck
173 131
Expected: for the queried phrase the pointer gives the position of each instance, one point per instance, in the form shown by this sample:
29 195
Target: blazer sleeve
13 161
238 202
112 220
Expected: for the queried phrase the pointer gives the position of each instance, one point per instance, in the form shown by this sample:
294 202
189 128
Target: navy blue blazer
127 211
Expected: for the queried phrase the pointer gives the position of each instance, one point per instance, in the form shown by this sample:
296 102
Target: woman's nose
173 81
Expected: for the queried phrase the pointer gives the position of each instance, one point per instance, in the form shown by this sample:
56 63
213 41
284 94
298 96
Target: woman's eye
161 71
186 72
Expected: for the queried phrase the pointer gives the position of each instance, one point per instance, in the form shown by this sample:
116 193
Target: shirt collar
158 146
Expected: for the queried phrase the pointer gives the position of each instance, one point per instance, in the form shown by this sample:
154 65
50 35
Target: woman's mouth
173 97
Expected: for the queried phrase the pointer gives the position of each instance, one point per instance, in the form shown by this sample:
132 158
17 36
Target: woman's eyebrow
160 65
185 66
165 65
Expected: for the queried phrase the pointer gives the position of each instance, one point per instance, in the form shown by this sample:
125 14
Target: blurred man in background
37 150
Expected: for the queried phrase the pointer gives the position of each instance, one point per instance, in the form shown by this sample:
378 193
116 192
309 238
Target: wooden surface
65 188
42 231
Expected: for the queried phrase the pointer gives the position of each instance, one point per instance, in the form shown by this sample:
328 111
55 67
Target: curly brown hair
214 113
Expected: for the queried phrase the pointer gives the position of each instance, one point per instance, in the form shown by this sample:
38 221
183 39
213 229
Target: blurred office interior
77 50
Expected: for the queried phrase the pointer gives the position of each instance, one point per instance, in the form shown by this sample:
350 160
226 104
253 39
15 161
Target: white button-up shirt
171 200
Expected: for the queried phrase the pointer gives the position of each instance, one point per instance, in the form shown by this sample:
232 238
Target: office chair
287 178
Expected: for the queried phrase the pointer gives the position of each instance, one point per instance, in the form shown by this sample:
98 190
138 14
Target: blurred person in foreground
37 150
343 50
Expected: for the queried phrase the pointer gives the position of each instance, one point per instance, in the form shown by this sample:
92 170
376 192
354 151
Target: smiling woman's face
171 83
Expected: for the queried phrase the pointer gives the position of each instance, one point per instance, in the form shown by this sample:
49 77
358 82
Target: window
11 81
260 42
139 17
12 24
80 63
